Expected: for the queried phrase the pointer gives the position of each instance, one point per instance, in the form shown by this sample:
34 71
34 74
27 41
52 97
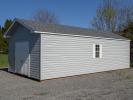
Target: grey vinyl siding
22 35
11 57
35 56
63 56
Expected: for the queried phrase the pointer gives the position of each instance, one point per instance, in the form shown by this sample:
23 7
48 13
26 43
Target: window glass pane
97 51
97 54
97 47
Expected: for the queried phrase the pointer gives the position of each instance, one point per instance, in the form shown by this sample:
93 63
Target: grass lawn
3 60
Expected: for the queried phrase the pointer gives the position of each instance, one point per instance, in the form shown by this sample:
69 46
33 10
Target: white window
97 51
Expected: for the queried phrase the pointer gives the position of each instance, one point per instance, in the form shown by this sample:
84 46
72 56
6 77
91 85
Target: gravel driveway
114 85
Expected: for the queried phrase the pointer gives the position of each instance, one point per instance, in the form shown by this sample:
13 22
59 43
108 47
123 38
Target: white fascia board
52 33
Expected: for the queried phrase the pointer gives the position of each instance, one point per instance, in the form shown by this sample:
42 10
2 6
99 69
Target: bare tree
106 15
45 16
111 16
125 17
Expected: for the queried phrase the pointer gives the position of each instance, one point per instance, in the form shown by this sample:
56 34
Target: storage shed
46 51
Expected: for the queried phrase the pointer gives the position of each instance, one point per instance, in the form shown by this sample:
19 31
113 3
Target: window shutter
94 51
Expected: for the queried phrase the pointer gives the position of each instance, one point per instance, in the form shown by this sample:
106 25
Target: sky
69 12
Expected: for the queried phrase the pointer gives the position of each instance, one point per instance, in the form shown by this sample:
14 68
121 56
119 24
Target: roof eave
6 34
52 33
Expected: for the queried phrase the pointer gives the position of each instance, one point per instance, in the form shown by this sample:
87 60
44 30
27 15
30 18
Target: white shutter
94 56
100 50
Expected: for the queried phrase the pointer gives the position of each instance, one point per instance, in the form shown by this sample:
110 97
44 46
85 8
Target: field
3 60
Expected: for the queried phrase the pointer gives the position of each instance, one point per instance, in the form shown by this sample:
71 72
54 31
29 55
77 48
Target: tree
45 16
125 17
105 17
112 16
128 33
3 41
7 24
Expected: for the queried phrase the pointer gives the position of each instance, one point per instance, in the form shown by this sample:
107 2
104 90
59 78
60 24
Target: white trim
93 50
52 33
40 57
42 32
101 50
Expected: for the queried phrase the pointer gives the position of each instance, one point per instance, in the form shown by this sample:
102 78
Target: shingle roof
64 29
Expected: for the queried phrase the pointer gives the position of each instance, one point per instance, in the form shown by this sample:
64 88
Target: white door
22 58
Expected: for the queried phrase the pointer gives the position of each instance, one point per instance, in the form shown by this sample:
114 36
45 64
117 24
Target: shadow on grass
4 69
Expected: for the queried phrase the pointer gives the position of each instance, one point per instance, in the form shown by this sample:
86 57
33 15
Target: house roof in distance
39 27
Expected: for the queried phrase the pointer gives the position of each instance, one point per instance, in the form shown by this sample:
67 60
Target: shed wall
22 35
63 56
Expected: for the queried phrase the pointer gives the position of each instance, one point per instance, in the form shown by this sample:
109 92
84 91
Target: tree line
3 41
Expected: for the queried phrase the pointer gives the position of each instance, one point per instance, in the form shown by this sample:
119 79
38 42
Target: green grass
3 60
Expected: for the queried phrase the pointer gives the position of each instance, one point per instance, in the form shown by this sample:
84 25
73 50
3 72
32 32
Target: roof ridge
66 29
55 24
